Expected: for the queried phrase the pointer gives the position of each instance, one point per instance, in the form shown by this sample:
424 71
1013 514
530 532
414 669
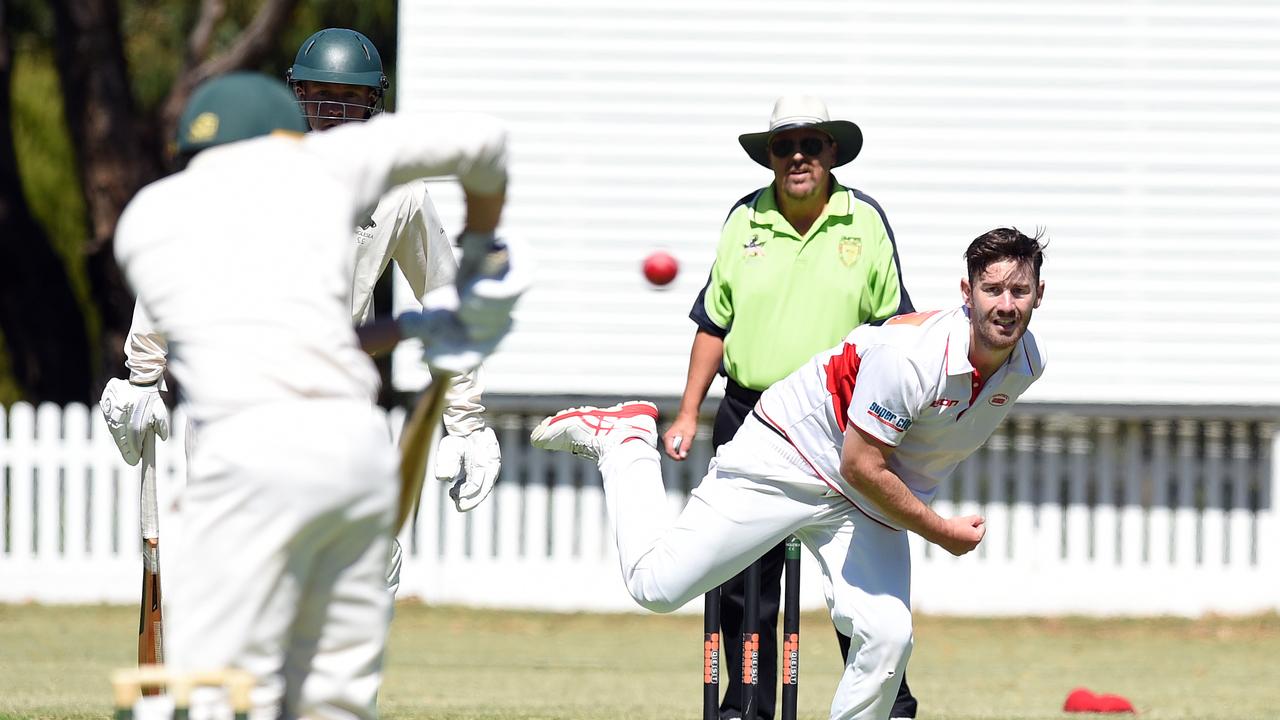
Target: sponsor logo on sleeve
888 417
999 399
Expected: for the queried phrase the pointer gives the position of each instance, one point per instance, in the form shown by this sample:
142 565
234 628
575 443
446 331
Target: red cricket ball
660 268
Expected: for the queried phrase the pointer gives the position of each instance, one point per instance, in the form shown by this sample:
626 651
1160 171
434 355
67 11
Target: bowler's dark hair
1005 244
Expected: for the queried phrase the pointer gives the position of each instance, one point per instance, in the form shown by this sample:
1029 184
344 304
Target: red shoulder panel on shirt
842 375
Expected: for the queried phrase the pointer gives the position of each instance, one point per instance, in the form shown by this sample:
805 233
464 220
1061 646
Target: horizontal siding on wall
1144 136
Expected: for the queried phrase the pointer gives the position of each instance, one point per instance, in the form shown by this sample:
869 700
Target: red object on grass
660 268
1080 700
1113 704
1084 700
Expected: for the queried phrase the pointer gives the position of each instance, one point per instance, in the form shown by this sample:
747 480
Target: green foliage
155 42
155 33
46 160
155 38
48 167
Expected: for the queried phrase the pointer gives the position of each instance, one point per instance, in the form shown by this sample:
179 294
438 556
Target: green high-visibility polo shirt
778 297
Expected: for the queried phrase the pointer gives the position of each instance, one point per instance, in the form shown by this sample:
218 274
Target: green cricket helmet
236 106
344 57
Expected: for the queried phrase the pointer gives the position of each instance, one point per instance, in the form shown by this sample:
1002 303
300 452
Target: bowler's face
1000 302
798 173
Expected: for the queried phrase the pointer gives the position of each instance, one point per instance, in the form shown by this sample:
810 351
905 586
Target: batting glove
131 411
445 343
471 463
489 285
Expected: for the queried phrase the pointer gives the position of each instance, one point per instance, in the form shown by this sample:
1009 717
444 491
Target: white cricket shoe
590 432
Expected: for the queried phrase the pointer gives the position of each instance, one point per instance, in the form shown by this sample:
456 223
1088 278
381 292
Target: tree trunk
43 327
113 158
119 151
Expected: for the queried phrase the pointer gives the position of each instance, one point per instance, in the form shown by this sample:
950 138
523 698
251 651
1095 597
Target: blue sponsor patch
888 417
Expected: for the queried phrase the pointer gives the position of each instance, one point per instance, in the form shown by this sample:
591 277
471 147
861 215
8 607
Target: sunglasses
786 147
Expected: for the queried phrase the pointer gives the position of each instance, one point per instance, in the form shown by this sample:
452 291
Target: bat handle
148 510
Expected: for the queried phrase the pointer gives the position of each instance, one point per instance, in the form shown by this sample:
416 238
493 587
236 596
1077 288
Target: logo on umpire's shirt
888 417
999 399
850 249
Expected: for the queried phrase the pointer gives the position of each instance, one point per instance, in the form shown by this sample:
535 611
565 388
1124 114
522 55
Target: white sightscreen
1144 136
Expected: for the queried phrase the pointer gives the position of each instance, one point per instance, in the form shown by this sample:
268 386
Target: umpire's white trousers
756 492
281 568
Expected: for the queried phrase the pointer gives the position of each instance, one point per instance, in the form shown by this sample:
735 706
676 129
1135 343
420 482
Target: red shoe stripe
630 411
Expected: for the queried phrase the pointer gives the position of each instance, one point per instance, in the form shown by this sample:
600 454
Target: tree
125 68
119 148
45 340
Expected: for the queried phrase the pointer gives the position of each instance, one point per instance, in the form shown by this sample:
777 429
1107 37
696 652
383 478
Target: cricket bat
151 621
479 257
415 445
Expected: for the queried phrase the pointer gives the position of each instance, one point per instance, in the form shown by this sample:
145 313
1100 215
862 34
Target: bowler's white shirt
242 262
907 383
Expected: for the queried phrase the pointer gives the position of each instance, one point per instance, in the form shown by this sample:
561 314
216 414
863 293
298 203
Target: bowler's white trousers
757 491
282 565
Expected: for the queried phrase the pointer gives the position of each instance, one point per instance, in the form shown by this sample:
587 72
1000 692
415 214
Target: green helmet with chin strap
342 56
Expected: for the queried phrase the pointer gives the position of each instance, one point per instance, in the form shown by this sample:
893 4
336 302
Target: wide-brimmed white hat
794 111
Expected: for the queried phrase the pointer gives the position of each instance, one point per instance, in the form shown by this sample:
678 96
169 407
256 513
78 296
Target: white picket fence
1101 512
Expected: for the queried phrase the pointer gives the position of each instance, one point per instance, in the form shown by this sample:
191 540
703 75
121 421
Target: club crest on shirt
364 231
755 248
850 249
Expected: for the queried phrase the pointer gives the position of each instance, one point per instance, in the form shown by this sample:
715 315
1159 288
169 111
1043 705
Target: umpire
800 263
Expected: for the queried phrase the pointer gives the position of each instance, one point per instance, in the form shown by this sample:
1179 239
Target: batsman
337 77
241 260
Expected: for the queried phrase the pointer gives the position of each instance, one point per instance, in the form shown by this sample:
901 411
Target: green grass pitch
457 664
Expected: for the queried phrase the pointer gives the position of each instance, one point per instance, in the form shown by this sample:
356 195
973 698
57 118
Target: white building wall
1144 136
